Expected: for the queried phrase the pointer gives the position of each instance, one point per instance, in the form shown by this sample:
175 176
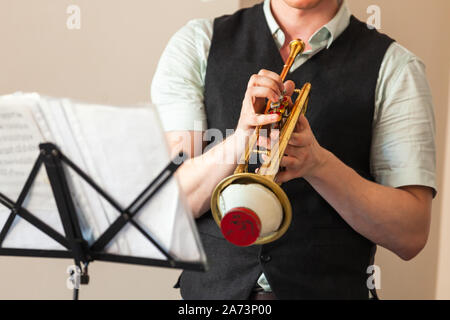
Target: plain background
111 60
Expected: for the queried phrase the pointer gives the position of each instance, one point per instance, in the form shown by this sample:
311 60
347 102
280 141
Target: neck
303 22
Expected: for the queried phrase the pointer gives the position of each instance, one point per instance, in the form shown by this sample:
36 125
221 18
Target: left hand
303 156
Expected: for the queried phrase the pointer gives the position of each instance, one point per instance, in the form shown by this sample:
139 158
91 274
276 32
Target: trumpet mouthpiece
296 47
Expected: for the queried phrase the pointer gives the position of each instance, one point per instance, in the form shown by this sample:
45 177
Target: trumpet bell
250 209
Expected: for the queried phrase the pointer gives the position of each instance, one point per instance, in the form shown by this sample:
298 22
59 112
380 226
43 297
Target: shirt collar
324 35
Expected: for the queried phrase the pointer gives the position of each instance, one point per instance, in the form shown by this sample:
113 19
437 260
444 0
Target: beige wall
111 59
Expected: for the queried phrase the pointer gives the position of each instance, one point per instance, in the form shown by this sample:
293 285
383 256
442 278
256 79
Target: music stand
77 247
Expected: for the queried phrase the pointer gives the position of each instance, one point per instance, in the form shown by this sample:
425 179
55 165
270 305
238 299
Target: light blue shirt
403 139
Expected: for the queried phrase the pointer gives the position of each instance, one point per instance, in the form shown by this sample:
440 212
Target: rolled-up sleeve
403 144
178 84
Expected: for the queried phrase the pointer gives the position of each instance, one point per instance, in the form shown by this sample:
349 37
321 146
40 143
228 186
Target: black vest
320 256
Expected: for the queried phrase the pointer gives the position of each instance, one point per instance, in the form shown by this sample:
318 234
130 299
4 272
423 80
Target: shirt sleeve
178 84
403 144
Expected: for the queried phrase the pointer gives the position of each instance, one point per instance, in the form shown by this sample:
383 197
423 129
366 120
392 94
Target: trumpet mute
249 212
250 209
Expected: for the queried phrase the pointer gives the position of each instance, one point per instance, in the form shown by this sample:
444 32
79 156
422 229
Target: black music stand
77 247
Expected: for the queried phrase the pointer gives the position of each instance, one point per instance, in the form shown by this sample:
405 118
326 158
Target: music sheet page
19 140
121 148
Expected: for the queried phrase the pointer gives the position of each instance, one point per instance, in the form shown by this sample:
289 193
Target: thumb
289 86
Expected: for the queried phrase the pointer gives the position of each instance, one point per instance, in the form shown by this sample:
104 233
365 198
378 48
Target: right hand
264 85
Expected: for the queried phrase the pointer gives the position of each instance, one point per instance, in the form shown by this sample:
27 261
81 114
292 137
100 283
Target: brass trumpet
260 210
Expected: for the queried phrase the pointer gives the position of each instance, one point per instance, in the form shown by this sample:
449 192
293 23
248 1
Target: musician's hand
265 84
303 155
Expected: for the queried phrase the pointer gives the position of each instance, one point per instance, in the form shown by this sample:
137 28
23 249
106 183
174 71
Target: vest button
265 258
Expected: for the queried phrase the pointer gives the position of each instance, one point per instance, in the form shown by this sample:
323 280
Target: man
360 168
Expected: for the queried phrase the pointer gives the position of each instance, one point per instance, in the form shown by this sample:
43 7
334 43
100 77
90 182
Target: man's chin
304 4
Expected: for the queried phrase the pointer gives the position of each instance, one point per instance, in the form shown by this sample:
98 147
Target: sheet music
126 176
18 147
86 200
121 149
19 139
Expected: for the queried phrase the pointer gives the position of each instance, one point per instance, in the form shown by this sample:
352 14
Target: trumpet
251 208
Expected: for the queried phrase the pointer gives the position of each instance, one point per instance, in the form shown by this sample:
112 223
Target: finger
289 87
264 142
302 123
273 75
263 119
265 158
263 81
268 142
293 151
263 92
274 135
289 162
300 139
284 176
